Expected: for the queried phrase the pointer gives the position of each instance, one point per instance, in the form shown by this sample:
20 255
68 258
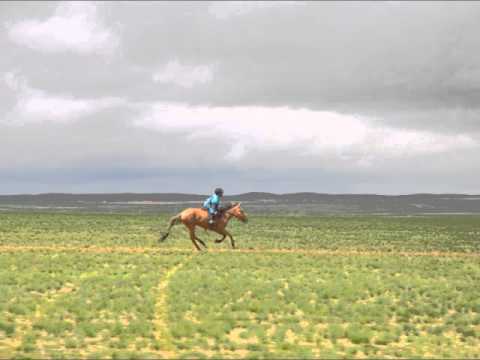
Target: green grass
337 302
57 303
415 233
79 301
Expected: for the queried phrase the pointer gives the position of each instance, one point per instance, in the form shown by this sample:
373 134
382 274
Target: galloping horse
193 217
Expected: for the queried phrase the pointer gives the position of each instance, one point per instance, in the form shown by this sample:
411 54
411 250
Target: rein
229 215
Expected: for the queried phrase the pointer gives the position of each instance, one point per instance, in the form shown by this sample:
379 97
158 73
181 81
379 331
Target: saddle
221 209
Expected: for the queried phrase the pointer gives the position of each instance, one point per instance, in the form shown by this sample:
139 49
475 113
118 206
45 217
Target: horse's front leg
191 230
218 241
226 233
231 240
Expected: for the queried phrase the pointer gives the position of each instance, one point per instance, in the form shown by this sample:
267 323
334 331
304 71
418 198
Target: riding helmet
218 191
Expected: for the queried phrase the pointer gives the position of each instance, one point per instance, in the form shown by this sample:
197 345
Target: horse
193 217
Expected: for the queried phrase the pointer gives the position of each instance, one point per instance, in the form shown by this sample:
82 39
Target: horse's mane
226 206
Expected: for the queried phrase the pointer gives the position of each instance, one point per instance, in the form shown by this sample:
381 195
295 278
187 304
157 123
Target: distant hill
304 202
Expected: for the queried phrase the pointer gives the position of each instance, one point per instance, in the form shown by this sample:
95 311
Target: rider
212 204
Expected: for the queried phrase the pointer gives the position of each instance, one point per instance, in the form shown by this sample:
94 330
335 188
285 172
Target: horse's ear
238 204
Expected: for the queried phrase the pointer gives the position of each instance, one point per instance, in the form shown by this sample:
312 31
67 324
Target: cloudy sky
357 97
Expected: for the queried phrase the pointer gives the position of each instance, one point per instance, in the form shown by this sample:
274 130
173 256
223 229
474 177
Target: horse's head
237 211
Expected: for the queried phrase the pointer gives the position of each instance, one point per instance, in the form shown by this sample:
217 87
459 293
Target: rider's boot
210 219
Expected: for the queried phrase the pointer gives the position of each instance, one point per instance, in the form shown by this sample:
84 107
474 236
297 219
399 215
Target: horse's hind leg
200 241
192 237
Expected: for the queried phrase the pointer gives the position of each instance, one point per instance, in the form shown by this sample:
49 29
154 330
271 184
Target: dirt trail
162 333
166 251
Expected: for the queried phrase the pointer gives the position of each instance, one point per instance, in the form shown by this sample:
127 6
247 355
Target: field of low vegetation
101 286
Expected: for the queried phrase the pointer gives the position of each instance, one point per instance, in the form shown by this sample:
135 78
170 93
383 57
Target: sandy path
166 251
162 333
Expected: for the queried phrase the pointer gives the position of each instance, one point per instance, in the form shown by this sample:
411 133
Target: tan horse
193 217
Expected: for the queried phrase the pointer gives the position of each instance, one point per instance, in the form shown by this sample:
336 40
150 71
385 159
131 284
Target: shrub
335 331
7 327
358 335
385 339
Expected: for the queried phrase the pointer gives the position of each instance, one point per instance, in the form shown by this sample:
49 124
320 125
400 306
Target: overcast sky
341 97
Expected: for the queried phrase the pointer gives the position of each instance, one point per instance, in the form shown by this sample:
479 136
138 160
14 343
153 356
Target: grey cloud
320 55
407 65
110 142
14 11
356 56
121 179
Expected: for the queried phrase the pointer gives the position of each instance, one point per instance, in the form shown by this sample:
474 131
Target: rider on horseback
212 204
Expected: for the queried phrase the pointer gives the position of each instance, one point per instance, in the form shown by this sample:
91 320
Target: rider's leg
211 212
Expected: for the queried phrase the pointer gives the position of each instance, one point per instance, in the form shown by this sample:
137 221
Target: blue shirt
212 201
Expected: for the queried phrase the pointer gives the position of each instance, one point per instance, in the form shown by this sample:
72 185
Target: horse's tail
173 221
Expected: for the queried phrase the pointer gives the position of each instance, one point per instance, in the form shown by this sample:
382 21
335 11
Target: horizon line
233 195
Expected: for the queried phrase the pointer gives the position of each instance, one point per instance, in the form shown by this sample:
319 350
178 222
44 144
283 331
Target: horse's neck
227 216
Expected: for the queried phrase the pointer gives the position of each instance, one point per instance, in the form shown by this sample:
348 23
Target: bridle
230 215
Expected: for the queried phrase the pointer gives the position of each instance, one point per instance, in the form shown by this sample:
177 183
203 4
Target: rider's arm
215 203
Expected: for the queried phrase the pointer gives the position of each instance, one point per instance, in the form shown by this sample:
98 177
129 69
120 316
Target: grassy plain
100 286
